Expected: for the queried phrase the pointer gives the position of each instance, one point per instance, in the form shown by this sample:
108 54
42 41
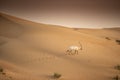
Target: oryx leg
68 51
72 52
76 51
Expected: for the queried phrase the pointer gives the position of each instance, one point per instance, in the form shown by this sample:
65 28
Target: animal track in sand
43 58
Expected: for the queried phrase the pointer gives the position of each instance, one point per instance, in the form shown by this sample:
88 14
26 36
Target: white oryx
74 49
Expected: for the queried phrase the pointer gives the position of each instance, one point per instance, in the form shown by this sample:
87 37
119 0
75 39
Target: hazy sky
71 13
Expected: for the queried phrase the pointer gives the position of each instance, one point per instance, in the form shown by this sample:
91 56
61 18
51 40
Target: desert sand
35 51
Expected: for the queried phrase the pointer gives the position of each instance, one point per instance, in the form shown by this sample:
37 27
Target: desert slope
34 51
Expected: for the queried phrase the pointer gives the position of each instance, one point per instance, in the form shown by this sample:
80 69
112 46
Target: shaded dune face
33 51
9 28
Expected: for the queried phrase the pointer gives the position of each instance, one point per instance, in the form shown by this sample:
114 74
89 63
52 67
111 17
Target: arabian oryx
74 49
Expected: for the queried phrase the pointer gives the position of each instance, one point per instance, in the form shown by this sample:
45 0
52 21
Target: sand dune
34 51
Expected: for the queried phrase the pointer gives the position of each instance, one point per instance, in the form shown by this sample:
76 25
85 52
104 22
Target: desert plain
35 51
